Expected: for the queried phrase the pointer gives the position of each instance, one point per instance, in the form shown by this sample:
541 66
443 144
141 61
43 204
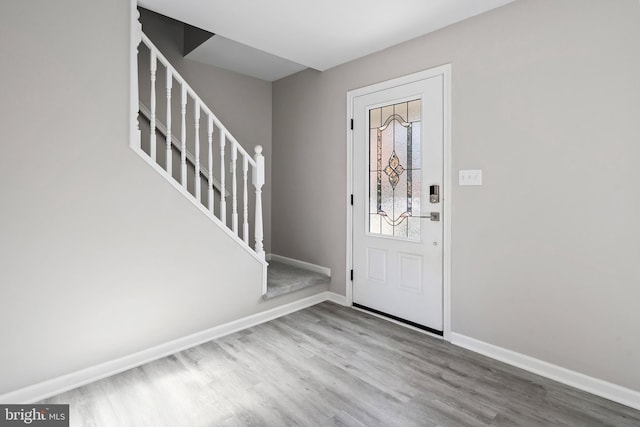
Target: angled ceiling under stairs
272 39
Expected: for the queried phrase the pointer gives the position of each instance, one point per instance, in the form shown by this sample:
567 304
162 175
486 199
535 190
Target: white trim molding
607 390
447 172
76 379
444 71
337 298
142 155
300 264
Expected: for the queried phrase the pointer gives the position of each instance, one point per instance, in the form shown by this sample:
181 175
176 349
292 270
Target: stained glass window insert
394 168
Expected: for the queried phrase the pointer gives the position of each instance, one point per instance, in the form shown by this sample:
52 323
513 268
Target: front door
397 215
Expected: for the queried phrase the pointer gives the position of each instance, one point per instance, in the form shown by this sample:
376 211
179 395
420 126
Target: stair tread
283 279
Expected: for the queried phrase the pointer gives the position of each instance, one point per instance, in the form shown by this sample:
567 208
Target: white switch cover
470 177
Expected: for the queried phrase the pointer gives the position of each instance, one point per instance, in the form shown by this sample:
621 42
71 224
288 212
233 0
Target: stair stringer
206 212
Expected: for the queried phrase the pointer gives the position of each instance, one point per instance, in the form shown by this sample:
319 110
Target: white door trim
445 72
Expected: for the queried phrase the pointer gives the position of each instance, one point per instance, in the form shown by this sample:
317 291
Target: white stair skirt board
142 155
575 379
45 389
300 264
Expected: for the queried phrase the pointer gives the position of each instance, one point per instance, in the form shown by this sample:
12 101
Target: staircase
284 278
198 156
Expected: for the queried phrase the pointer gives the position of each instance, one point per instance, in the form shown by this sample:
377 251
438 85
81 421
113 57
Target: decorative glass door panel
394 168
398 142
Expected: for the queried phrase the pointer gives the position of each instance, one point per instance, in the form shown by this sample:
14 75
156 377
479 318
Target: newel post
258 182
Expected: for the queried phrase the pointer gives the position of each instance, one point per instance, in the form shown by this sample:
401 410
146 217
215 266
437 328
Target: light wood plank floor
334 366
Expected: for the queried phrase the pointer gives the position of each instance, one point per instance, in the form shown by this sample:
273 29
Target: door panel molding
445 72
410 273
376 268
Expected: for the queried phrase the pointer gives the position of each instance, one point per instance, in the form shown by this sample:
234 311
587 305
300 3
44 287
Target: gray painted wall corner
543 253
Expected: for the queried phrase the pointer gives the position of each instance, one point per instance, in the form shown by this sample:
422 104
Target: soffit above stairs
289 35
231 55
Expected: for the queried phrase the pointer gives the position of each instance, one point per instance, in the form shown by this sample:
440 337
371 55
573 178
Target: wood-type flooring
330 365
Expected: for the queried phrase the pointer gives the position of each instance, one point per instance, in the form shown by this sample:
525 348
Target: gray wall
99 256
546 100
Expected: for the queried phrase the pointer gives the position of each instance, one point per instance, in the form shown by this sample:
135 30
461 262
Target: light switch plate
470 177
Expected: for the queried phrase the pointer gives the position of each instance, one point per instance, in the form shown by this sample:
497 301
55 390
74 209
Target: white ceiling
314 34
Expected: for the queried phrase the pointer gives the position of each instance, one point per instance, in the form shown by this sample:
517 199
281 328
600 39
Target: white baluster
152 143
134 90
258 182
168 155
245 200
210 163
197 142
258 172
183 138
234 188
223 192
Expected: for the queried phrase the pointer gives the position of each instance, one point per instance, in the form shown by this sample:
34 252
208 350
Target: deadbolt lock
434 193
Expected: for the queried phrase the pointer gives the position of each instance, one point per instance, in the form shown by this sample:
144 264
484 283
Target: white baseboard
76 379
337 298
575 379
300 264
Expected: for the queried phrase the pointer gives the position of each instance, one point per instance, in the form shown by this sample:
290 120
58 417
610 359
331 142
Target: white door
397 214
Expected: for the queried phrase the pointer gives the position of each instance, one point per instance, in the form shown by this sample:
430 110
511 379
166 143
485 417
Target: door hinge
352 275
351 124
352 200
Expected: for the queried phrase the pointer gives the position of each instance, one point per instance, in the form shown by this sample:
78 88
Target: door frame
445 72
